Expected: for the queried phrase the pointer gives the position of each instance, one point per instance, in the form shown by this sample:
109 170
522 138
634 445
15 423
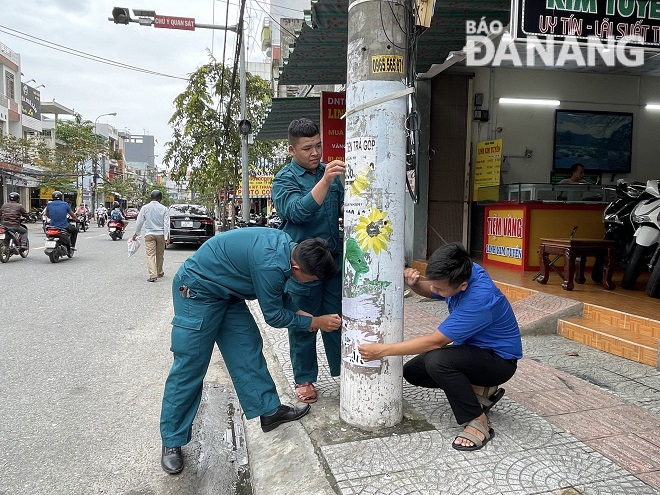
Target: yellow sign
487 167
504 234
46 193
386 63
259 187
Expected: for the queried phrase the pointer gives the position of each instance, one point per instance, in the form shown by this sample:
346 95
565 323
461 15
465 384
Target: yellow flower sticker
373 231
362 182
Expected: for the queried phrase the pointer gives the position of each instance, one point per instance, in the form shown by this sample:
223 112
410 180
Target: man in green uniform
309 198
209 293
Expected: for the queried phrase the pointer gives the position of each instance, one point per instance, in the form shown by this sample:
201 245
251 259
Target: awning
319 52
283 111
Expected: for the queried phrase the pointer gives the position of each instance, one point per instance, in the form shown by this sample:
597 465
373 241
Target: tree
146 196
206 144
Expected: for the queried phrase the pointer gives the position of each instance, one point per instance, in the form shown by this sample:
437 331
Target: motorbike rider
11 213
58 211
101 210
82 210
117 215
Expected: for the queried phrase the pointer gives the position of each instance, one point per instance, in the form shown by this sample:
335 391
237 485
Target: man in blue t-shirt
58 211
473 351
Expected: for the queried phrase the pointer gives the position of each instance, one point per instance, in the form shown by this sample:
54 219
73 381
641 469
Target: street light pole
96 174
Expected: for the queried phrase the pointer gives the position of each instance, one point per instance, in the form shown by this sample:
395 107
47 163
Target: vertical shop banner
487 168
333 127
31 107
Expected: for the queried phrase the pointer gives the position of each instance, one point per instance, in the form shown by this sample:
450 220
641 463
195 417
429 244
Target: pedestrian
155 218
58 211
475 349
209 293
309 198
577 175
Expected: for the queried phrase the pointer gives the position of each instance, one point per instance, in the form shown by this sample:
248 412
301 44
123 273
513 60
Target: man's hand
371 352
334 169
327 323
410 276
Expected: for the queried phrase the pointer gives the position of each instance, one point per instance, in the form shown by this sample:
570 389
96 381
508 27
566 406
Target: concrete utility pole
371 392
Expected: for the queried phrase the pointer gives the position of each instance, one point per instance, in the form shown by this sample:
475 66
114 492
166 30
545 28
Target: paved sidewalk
574 420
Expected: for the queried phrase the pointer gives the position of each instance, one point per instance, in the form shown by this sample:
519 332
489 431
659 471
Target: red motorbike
116 229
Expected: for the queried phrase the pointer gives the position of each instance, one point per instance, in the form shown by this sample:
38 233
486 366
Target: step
635 324
611 339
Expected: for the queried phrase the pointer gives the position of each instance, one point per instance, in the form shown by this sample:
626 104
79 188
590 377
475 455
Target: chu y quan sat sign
568 32
504 236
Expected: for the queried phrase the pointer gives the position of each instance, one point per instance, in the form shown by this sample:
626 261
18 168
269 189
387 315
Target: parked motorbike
33 216
58 244
82 223
12 243
647 235
275 222
618 224
116 229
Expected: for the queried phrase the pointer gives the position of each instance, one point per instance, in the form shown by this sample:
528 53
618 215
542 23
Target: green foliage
206 144
146 196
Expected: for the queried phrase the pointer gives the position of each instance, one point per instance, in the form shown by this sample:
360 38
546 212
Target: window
9 85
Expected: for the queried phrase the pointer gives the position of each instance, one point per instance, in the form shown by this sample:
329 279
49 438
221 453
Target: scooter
647 235
58 244
12 243
82 221
116 229
101 219
618 224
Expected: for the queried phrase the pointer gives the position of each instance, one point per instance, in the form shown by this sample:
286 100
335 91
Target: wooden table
577 249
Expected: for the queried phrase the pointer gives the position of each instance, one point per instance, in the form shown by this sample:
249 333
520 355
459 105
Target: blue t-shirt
57 210
482 316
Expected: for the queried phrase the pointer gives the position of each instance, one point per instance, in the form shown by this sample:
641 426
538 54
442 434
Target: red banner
169 22
333 127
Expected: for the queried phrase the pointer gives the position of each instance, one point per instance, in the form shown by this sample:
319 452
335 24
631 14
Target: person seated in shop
577 175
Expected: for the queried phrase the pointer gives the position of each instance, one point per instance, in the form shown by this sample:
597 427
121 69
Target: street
84 354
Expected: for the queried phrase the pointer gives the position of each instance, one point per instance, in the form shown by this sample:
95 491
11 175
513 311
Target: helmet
115 204
58 195
14 196
156 195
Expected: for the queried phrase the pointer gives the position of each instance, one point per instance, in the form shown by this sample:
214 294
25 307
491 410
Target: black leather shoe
284 414
172 460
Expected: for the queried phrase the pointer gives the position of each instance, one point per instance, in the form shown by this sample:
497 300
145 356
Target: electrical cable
77 53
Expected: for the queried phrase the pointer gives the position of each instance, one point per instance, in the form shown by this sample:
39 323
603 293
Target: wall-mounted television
601 141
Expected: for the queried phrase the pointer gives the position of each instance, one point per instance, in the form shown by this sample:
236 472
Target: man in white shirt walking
156 221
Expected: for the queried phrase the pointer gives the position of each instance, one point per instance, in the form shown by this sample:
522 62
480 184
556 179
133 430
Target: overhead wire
77 53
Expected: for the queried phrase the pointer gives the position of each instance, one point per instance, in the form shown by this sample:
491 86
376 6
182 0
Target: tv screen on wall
601 141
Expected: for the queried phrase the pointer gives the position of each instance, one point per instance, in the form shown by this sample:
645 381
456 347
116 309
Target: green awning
283 111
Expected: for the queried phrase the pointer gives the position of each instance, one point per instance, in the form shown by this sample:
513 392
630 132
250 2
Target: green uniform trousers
199 322
317 298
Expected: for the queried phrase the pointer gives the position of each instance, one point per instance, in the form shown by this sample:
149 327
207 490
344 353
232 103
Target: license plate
187 224
2 236
51 244
112 229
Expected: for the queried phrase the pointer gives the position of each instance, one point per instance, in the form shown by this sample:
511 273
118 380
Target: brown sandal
306 392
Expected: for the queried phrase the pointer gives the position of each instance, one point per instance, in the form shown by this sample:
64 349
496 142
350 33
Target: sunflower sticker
373 231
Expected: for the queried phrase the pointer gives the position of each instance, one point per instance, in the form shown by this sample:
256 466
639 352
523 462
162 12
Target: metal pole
372 306
244 138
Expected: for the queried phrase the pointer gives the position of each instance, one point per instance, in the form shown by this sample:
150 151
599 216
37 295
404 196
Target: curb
281 460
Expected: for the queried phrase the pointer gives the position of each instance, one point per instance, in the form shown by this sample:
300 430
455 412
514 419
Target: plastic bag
133 245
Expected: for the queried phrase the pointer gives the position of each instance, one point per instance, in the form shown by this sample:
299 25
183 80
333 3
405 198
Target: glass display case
523 192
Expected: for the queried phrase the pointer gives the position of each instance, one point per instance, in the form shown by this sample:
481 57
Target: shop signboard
260 187
333 127
503 236
487 169
635 23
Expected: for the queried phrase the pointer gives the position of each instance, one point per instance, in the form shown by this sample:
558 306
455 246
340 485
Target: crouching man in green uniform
209 293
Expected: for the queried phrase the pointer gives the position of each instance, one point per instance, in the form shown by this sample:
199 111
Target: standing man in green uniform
309 198
209 293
